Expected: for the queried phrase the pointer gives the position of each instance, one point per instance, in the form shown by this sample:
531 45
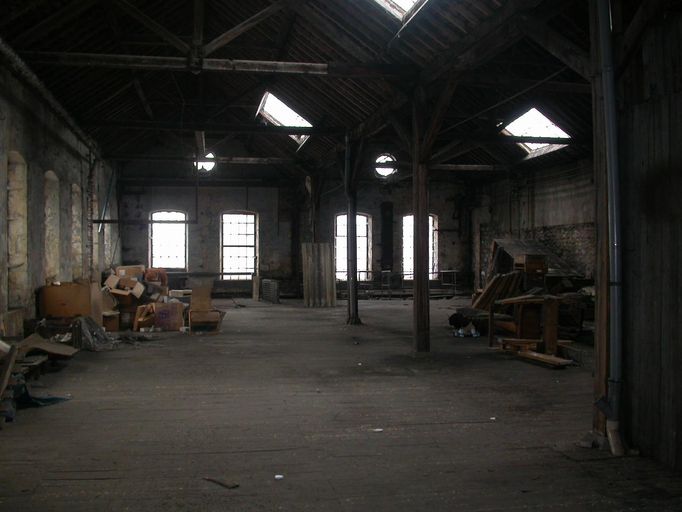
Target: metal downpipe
614 218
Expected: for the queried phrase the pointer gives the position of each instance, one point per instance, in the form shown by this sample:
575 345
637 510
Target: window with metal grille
364 234
408 247
168 244
239 246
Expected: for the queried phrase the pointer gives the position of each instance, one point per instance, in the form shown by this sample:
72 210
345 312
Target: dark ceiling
137 109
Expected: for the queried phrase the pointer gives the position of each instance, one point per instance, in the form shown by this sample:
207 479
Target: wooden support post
351 240
601 333
420 206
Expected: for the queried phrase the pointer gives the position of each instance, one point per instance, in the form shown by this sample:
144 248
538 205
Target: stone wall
36 143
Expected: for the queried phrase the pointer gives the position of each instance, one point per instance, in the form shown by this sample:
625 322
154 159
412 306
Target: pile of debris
533 305
132 298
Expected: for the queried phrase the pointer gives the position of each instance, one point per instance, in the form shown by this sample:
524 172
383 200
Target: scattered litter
62 338
279 477
238 305
222 483
468 331
87 335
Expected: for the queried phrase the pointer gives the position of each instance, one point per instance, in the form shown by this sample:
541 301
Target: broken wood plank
553 361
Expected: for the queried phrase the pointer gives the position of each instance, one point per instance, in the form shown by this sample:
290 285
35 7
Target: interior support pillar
351 239
420 208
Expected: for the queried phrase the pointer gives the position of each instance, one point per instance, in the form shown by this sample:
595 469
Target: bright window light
408 247
169 240
275 111
206 165
397 8
363 225
386 165
535 124
239 250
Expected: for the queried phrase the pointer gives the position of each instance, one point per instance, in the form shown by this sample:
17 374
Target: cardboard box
112 321
112 282
127 283
169 317
130 271
109 302
180 293
144 317
69 300
138 290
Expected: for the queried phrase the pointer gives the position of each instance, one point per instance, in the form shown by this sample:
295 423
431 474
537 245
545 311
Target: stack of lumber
500 287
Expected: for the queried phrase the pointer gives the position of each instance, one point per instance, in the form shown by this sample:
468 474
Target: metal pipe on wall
614 216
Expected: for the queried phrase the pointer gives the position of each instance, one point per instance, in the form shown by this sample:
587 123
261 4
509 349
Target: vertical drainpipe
615 249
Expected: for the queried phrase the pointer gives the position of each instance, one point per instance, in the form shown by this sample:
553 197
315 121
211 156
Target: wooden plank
553 361
6 368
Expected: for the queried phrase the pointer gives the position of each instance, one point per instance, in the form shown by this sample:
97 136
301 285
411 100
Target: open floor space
345 413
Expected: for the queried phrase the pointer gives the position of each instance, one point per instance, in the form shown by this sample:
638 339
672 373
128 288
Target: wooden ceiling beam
246 25
57 20
563 49
226 160
153 25
158 63
213 128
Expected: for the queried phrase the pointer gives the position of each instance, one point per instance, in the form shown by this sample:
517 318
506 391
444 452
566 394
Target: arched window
364 246
76 231
408 247
18 290
239 245
168 244
52 236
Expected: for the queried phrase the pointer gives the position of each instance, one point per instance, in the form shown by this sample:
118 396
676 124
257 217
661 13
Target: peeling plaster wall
29 128
274 224
453 235
280 215
555 206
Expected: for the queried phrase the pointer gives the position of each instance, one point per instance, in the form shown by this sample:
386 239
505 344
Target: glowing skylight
206 165
279 113
535 124
397 8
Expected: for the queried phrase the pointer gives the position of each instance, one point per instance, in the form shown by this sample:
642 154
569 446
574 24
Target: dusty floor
285 390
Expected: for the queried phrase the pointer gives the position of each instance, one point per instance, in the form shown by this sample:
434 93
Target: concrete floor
285 390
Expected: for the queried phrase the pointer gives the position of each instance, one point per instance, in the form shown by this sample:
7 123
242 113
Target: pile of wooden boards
23 358
500 286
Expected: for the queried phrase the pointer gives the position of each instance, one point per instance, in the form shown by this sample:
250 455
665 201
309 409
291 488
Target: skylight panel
275 111
535 124
397 8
